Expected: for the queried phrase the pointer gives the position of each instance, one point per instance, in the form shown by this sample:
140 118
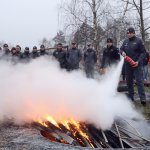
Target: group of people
70 59
16 54
133 48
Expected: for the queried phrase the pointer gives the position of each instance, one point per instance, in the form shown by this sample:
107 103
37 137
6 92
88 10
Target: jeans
145 72
136 72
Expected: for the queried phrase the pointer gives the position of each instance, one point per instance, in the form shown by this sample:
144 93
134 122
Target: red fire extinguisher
130 61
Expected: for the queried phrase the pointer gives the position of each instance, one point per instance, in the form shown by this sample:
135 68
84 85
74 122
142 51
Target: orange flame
68 124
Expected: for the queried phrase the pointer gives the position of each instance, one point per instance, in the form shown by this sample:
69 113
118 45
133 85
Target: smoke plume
33 90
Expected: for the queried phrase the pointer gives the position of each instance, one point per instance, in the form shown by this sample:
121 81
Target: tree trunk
142 21
95 25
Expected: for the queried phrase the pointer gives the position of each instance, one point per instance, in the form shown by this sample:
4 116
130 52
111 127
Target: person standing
6 53
110 55
6 49
73 57
14 56
34 53
26 55
60 55
133 47
18 52
90 59
145 66
43 51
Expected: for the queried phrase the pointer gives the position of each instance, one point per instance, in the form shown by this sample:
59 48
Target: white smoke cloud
40 87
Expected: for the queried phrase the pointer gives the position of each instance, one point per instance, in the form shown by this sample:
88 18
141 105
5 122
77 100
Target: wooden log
120 139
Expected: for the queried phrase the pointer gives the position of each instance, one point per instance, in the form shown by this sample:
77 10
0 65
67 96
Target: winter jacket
73 58
110 56
134 48
90 57
60 55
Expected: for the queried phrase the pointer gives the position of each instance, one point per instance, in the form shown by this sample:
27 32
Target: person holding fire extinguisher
133 50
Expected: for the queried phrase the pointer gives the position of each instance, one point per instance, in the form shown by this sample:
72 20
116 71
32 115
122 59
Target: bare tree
141 7
86 34
90 11
116 29
59 38
115 23
45 42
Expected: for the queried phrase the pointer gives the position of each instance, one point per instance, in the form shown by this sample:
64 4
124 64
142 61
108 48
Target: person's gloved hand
136 64
123 54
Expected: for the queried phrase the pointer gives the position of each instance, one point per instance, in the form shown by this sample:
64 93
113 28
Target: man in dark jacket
5 55
18 52
73 57
134 48
26 55
110 55
43 51
34 53
14 57
6 49
60 55
90 59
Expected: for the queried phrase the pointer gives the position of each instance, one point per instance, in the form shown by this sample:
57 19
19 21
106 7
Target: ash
13 137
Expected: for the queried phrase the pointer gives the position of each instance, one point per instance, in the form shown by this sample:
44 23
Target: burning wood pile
76 133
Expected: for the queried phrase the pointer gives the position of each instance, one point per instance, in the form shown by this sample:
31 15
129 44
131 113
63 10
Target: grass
145 110
147 89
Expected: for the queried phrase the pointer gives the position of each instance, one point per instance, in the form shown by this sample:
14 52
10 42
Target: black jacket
90 56
16 57
146 59
110 56
60 55
6 51
73 58
134 48
34 54
26 55
43 53
19 55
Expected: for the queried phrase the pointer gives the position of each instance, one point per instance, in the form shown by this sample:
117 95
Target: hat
13 48
26 48
109 40
73 43
131 30
42 46
18 46
5 45
89 44
34 47
59 44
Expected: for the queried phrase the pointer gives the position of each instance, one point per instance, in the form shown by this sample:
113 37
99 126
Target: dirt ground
14 137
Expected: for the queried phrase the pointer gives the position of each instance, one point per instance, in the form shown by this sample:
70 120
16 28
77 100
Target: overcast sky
25 22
